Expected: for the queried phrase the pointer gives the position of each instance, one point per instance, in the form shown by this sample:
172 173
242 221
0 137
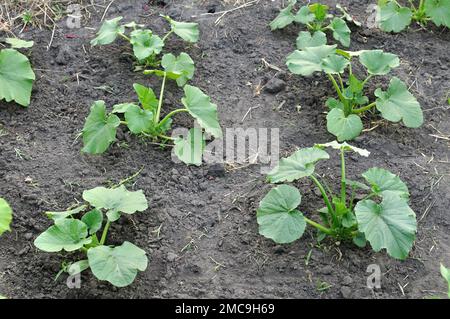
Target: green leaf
17 43
145 44
61 215
298 165
190 149
346 147
138 120
147 97
5 216
122 107
320 10
108 32
182 66
360 240
438 11
284 18
200 107
304 16
343 127
188 31
334 64
278 217
341 31
309 60
67 234
393 18
99 131
333 103
78 267
118 265
397 103
354 84
16 77
391 224
305 39
356 184
94 220
383 181
116 199
445 272
378 62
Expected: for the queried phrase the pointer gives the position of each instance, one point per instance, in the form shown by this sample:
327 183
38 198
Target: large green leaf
278 217
334 64
309 60
383 181
298 165
99 131
438 11
145 44
397 103
200 107
16 77
345 128
445 272
67 234
5 216
378 62
183 66
346 147
138 120
305 39
391 224
393 18
61 215
190 149
284 18
341 31
118 265
147 97
108 32
188 31
116 200
304 15
93 220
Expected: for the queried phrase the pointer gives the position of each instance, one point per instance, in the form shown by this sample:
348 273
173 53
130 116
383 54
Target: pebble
171 256
346 292
274 86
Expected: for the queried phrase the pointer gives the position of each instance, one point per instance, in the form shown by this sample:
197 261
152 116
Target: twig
106 11
51 39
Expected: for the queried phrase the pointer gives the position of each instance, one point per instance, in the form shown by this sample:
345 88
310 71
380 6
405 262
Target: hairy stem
168 116
336 87
161 96
167 35
320 227
343 178
105 233
364 108
324 195
125 37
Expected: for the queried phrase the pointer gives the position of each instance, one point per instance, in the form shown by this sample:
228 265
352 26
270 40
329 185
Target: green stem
324 195
166 137
167 35
105 232
341 82
364 108
367 79
161 96
168 116
336 87
123 123
320 227
343 178
125 37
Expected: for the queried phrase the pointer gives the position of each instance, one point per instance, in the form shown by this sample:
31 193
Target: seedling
445 272
5 216
382 217
344 117
393 17
16 74
318 21
144 117
118 265
146 45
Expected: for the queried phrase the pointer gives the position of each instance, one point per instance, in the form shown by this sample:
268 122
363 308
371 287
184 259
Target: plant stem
105 232
168 116
364 108
167 35
343 178
341 82
320 227
125 37
161 95
336 87
324 195
166 137
123 123
367 79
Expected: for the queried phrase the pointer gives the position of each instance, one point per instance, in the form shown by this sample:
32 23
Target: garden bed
200 231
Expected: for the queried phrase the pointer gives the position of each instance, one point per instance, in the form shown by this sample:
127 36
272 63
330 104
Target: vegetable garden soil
200 231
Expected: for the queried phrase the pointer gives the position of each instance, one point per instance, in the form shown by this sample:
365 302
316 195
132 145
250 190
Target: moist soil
200 230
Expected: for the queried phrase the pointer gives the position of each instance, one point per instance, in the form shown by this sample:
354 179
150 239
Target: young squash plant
16 74
383 217
5 216
318 21
393 17
147 45
118 265
445 272
344 117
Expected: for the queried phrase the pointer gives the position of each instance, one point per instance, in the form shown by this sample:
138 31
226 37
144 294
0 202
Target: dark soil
207 218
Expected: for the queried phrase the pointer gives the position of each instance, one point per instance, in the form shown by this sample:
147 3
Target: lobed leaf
190 149
304 16
438 11
343 127
122 107
182 67
397 103
278 217
62 215
145 44
298 165
334 64
188 31
108 32
305 39
93 220
17 43
394 18
5 216
284 18
341 31
378 62
383 181
309 60
138 120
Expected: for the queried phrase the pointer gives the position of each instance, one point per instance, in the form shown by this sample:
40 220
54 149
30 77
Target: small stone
346 292
171 256
274 86
28 236
347 280
327 270
216 170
